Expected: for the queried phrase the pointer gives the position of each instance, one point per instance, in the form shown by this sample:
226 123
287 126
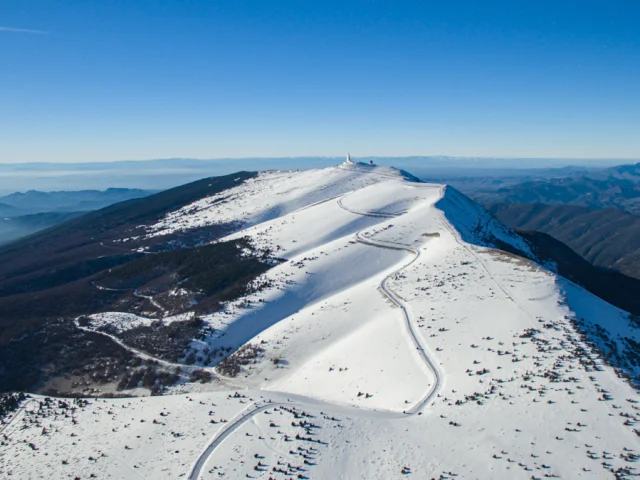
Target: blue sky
91 80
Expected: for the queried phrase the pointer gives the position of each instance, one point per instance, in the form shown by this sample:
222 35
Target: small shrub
201 376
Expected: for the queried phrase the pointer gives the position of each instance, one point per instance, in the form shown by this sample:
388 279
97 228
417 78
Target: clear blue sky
87 80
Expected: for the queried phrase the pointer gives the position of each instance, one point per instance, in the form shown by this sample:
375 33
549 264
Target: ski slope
395 341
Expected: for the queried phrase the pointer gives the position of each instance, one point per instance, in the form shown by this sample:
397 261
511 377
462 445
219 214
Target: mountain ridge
615 187
388 309
37 201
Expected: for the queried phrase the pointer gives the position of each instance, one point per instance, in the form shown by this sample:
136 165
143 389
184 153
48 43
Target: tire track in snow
395 299
456 236
139 353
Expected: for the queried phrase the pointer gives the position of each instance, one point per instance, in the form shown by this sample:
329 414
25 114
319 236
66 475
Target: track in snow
366 214
394 298
134 293
184 368
151 300
19 411
139 353
456 236
226 431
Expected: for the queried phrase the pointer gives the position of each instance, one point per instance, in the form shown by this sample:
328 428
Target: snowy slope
271 195
394 340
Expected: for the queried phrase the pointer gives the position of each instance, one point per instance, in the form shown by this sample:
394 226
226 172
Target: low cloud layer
22 30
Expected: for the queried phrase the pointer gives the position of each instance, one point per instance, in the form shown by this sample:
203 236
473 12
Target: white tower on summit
349 158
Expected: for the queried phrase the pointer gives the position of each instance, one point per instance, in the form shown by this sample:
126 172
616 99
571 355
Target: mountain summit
365 325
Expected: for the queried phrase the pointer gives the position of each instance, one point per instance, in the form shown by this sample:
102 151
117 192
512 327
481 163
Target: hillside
33 211
610 285
75 246
9 210
396 328
48 279
13 228
608 238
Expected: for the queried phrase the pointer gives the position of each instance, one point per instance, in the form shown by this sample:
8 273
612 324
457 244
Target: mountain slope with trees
607 238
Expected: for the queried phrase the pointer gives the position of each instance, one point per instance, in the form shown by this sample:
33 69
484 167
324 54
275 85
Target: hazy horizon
156 174
561 161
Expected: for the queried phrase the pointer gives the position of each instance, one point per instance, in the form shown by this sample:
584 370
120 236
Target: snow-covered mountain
400 331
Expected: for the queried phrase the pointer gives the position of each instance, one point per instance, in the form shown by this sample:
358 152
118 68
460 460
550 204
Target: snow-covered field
394 342
122 321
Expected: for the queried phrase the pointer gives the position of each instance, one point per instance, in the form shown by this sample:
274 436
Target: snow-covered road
408 316
231 427
416 409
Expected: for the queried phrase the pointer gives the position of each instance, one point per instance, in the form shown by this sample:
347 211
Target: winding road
415 336
245 416
184 368
231 427
139 353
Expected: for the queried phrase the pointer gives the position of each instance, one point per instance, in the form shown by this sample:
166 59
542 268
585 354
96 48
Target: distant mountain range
25 213
9 211
594 212
617 187
171 172
35 201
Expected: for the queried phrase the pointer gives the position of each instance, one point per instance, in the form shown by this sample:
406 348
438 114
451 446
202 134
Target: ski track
219 438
